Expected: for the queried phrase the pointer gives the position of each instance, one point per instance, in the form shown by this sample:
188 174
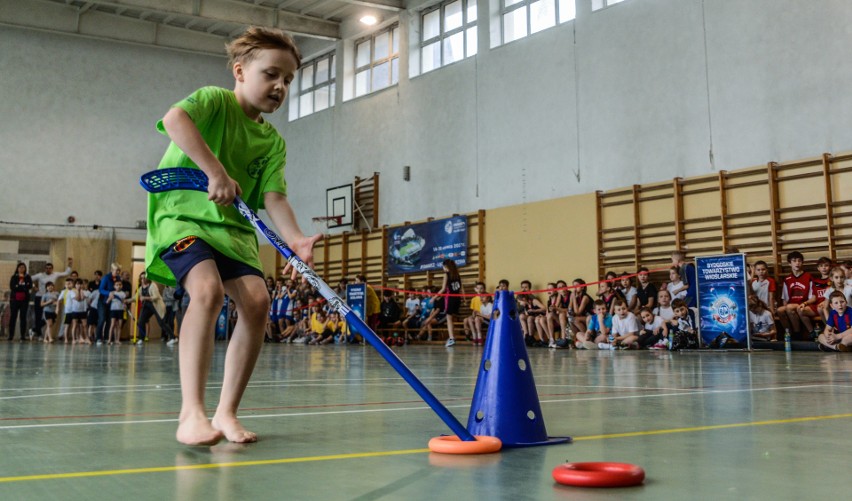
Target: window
600 4
524 17
448 34
313 88
377 61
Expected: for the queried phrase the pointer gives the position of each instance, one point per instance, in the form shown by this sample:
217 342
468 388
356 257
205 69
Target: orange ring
452 444
599 474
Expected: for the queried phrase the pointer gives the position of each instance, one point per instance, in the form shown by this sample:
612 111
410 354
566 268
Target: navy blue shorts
184 254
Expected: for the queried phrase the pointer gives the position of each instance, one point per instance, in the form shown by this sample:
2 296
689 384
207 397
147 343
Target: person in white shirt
625 327
40 280
675 286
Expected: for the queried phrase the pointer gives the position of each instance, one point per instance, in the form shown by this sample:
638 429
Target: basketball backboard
338 202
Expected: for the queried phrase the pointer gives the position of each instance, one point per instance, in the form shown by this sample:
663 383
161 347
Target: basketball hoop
322 223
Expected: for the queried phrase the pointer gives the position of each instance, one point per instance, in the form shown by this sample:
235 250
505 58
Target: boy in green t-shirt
209 248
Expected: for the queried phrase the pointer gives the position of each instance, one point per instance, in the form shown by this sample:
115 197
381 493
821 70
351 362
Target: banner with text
424 246
723 298
356 298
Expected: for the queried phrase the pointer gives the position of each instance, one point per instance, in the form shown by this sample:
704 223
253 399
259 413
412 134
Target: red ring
452 444
599 474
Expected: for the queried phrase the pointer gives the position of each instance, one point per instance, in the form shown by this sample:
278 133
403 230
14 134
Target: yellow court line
712 427
207 466
361 455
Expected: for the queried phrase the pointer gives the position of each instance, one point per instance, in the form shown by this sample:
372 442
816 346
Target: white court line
255 384
397 409
177 388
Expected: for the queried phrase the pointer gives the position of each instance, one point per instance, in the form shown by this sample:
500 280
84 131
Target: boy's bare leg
196 351
249 294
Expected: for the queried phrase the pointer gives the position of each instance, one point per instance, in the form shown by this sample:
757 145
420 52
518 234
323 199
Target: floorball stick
183 178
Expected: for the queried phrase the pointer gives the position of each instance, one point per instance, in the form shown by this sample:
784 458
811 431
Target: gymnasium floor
337 423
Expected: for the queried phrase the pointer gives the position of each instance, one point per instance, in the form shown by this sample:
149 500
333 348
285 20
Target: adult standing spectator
40 281
151 304
106 287
20 285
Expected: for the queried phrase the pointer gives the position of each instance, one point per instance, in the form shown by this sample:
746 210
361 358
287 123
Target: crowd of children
627 311
52 306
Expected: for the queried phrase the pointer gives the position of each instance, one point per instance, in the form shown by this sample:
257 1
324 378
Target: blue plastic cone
505 404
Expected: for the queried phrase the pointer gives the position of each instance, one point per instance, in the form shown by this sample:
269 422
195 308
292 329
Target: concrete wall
629 94
639 92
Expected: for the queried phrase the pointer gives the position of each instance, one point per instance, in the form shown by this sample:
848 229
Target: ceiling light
369 20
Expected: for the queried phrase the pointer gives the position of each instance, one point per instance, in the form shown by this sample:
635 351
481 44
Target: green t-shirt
252 153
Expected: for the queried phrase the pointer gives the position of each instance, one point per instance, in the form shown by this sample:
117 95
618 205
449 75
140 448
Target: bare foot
197 430
233 429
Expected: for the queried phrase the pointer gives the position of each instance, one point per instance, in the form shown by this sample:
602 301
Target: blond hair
245 47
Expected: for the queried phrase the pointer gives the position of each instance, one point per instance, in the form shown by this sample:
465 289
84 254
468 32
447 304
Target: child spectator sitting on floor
838 326
838 283
664 308
683 320
625 327
598 328
655 331
763 286
761 320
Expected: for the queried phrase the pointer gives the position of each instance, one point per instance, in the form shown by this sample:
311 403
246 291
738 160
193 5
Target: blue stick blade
174 178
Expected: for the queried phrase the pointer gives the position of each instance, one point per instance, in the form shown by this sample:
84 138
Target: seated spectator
763 286
625 328
628 291
646 292
655 331
809 311
675 286
485 311
608 294
390 314
838 326
544 323
761 320
847 268
664 308
686 271
430 314
474 317
683 322
838 283
597 331
795 290
581 306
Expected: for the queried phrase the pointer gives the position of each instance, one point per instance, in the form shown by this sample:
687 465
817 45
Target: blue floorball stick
184 178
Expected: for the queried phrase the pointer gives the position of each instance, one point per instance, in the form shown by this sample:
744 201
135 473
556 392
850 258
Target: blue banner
722 298
424 246
356 298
